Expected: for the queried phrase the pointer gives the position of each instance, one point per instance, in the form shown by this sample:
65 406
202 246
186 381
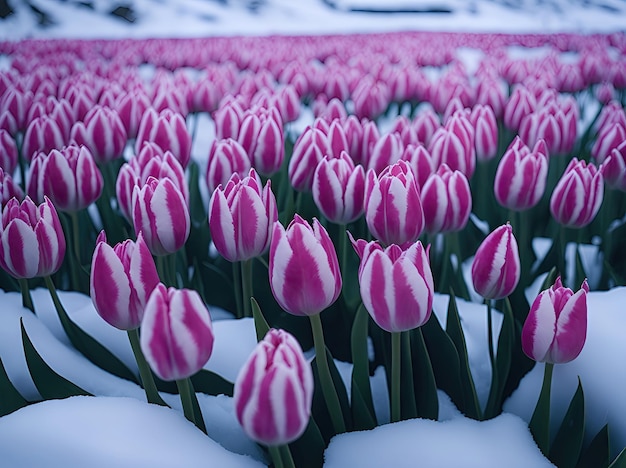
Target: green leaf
308 450
620 460
11 399
49 384
503 363
598 452
211 383
260 324
455 331
362 404
424 385
86 344
408 393
568 442
580 271
540 421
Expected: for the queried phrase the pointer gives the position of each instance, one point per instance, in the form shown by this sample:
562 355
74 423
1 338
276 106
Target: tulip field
326 237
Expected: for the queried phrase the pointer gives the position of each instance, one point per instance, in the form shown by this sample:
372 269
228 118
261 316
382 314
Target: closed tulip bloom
387 151
521 103
226 157
396 285
578 194
520 179
102 132
485 132
453 149
274 390
161 213
131 106
70 178
43 134
420 161
393 209
609 137
261 135
338 189
228 119
8 152
8 189
242 216
168 130
556 327
447 201
32 240
176 333
122 278
496 265
308 150
304 270
615 168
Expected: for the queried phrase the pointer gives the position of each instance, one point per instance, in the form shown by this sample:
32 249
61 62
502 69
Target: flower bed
327 194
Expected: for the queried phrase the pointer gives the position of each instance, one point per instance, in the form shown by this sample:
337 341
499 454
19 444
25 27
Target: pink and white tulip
168 130
396 285
160 211
8 152
556 327
308 150
577 197
615 168
304 269
31 237
102 132
176 333
496 267
274 390
122 278
226 157
242 216
447 201
338 189
393 209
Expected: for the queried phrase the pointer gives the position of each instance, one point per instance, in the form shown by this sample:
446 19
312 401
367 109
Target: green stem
286 456
277 458
492 359
27 299
76 236
238 289
152 394
247 286
326 381
540 421
343 250
189 401
171 267
396 341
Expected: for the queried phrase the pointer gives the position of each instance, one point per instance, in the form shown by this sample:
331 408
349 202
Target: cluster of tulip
421 175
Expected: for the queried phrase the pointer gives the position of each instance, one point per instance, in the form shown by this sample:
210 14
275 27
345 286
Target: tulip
160 211
615 168
122 278
15 103
520 104
32 239
261 135
426 124
496 265
228 119
447 201
520 179
176 333
274 390
556 326
8 189
168 130
241 217
226 157
485 126
303 268
43 134
8 152
396 285
420 161
393 209
308 150
454 148
102 132
578 195
131 106
609 137
338 189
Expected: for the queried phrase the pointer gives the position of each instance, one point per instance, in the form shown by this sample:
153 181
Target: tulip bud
447 201
304 270
577 197
43 134
228 119
8 152
393 209
556 327
274 390
496 265
308 150
520 104
32 240
102 132
168 130
396 285
387 151
615 168
338 189
176 333
226 157
485 126
241 217
8 189
609 137
520 179
131 106
420 161
161 213
261 136
70 178
122 278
